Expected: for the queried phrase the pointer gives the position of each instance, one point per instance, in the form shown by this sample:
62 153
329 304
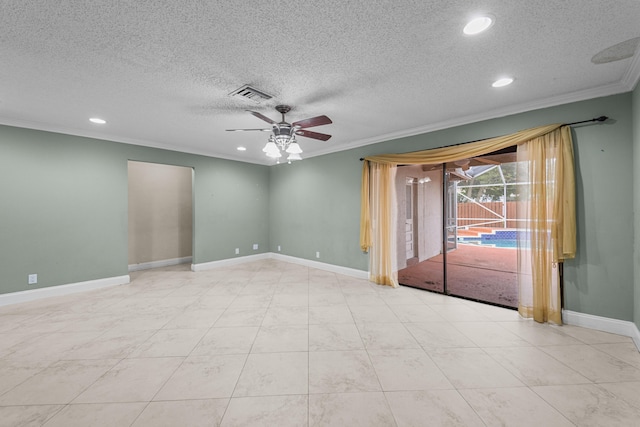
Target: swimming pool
497 239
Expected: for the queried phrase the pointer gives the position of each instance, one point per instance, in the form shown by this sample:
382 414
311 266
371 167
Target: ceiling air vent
252 94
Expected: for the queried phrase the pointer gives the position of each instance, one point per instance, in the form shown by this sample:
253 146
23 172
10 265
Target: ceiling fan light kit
283 134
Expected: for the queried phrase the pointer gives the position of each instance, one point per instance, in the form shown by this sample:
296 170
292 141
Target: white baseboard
54 291
352 272
158 264
229 262
605 324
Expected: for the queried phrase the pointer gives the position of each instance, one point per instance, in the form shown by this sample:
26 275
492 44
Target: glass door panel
420 214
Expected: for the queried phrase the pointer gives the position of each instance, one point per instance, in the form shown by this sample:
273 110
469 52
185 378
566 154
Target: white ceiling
160 71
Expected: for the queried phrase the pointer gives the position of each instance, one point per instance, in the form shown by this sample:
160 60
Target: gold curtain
548 210
559 212
382 225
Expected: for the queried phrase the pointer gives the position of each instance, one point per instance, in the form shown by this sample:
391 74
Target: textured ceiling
160 72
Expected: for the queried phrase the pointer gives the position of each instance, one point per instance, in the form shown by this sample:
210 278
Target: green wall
636 199
64 203
64 207
315 204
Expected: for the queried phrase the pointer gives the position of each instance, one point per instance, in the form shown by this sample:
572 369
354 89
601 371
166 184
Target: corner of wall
635 120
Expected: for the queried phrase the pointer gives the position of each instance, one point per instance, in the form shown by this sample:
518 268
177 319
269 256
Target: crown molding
583 95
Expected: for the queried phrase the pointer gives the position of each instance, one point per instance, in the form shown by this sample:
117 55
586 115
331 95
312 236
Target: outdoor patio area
481 273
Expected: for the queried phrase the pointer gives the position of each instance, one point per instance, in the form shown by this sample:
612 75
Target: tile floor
270 343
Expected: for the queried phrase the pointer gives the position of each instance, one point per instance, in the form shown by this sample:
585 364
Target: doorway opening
160 215
466 228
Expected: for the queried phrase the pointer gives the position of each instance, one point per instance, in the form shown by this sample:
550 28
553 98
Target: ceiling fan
283 134
284 128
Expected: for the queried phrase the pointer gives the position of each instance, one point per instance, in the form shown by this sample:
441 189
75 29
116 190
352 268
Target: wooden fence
475 213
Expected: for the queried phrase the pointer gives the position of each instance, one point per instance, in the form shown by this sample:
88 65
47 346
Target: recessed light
97 120
241 148
477 25
506 81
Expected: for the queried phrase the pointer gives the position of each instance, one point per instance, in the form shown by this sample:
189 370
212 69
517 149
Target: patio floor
479 272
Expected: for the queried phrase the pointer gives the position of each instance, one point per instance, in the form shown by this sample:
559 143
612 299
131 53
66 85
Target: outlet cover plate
33 279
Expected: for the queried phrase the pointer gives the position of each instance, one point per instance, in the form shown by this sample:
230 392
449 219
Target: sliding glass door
464 229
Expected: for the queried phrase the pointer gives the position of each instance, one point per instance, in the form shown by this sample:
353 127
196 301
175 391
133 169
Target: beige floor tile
627 352
432 335
459 313
513 406
349 409
590 405
401 299
274 339
251 300
245 316
373 314
472 368
9 340
341 371
407 370
97 415
59 383
113 344
534 367
209 302
290 300
27 416
627 391
591 336
415 313
593 364
499 314
14 372
169 343
274 374
489 334
267 411
143 321
286 316
195 318
334 336
51 346
435 407
236 340
338 313
192 413
386 336
275 343
131 380
203 377
361 300
539 334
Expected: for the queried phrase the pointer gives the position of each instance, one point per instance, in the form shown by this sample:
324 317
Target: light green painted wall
315 204
64 203
315 207
636 193
64 207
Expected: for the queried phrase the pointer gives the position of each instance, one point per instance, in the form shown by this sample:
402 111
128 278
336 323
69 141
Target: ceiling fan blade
314 135
262 117
247 130
313 121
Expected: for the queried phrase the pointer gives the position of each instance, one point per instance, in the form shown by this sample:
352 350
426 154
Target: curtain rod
596 119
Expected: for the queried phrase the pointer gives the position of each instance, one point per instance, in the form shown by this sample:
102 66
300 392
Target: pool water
498 239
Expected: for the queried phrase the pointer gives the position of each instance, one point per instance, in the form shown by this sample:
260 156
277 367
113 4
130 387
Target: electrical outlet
237 251
279 249
317 254
33 279
255 246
